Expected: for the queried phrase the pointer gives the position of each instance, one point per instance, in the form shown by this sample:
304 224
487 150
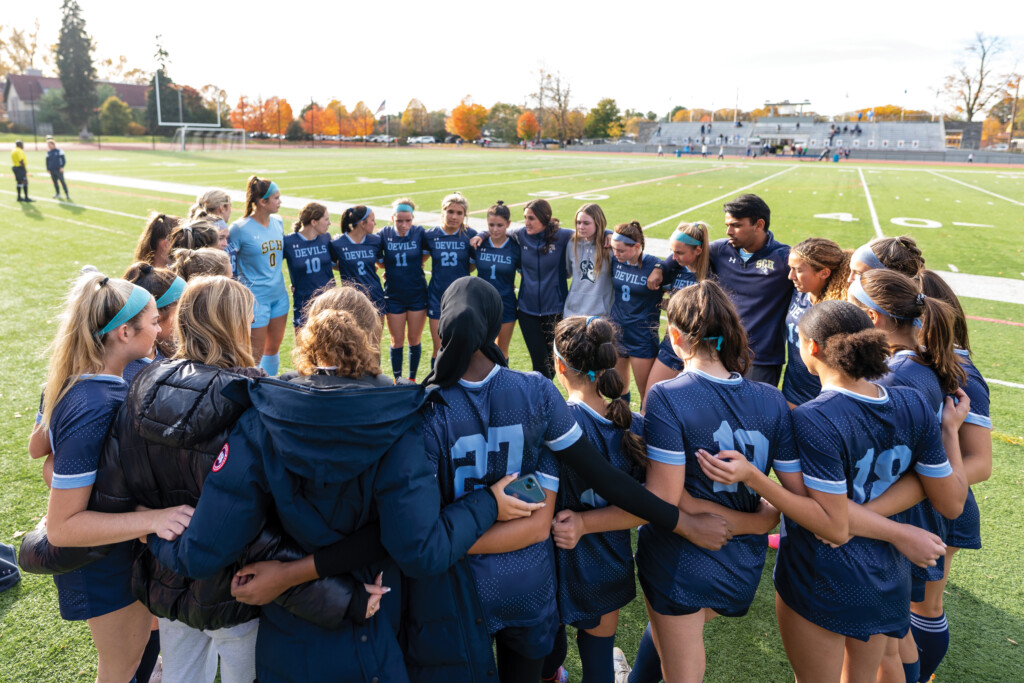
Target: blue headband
857 290
404 207
365 215
592 319
172 294
867 257
622 238
680 236
591 376
137 301
718 346
271 190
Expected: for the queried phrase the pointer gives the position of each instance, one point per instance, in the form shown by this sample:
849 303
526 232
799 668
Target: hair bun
500 203
146 268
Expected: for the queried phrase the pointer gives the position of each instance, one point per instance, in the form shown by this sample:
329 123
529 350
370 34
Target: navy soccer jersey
696 411
309 265
498 266
676 277
450 258
635 308
759 288
259 256
798 385
508 422
595 577
905 371
402 255
965 530
78 430
137 366
357 265
856 446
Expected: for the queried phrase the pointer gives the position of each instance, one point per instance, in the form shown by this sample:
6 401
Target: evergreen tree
74 65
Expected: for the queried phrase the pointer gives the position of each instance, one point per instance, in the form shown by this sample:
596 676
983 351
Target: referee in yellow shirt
20 167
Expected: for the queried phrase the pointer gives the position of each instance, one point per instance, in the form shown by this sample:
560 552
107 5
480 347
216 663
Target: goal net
188 139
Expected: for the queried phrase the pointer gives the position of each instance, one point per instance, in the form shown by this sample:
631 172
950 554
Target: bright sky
840 56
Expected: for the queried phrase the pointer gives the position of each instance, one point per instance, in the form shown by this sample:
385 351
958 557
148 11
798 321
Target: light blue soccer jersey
260 257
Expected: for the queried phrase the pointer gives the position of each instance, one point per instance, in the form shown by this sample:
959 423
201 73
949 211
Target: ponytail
313 211
586 346
353 216
934 286
708 320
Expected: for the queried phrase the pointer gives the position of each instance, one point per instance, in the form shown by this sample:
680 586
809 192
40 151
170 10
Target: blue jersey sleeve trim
666 457
787 465
74 481
980 420
566 440
939 471
547 481
825 485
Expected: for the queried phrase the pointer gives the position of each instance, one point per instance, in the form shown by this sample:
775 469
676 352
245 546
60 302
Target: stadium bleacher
781 131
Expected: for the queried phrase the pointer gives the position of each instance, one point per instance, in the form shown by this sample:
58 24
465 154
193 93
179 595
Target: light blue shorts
270 308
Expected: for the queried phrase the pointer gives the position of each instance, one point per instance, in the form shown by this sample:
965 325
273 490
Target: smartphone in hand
526 487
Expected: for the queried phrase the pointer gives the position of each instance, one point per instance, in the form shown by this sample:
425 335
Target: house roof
31 88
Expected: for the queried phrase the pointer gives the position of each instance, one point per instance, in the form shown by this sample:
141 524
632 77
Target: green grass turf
45 244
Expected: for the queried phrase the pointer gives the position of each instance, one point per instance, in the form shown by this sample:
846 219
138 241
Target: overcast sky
840 56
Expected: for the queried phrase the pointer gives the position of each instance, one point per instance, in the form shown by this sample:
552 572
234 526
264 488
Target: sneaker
56 196
620 666
562 676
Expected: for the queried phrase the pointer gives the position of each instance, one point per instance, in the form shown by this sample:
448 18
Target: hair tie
920 299
718 345
146 269
104 281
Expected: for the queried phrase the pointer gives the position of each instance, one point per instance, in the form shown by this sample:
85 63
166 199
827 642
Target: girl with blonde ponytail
106 324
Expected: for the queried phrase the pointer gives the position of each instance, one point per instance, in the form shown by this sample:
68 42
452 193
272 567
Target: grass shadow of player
29 210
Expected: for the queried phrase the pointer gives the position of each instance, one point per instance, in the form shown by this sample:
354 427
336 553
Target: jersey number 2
477 449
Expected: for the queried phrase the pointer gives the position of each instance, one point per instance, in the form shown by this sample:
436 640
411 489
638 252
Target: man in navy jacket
55 162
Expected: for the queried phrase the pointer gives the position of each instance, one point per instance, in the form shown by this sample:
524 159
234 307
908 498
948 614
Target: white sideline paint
975 187
719 198
871 204
1001 383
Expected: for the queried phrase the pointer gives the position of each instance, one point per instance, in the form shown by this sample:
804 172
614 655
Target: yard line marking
83 206
711 201
994 320
1000 382
613 187
871 204
973 225
1005 289
975 187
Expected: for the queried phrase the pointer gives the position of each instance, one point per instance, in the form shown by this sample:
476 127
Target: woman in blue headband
258 239
166 288
687 266
405 285
887 253
106 325
635 307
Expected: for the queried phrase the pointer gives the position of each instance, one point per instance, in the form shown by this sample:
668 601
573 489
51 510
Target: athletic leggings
514 668
539 335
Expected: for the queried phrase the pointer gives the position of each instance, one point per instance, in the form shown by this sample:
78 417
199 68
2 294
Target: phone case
526 487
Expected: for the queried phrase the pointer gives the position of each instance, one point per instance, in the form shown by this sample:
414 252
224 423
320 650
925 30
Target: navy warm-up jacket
327 461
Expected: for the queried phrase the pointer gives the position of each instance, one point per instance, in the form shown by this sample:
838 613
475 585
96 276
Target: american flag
381 107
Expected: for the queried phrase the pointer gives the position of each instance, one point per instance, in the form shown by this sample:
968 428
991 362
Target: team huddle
333 523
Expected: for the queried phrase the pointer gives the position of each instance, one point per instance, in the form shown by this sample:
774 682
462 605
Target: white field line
593 172
871 204
1012 385
82 206
74 222
613 187
711 201
979 189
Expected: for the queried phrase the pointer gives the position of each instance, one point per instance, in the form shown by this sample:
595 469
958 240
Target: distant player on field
55 162
20 168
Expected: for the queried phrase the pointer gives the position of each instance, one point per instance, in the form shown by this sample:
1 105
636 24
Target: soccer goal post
191 138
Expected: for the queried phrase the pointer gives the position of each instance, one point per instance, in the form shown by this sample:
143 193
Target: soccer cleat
620 666
56 196
562 676
773 541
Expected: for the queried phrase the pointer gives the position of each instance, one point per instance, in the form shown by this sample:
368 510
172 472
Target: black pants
513 667
766 374
539 335
58 175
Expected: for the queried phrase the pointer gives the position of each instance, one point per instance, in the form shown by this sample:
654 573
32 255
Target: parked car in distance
422 140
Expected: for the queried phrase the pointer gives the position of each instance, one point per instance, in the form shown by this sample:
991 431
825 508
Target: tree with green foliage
74 65
52 110
115 116
502 121
604 120
294 131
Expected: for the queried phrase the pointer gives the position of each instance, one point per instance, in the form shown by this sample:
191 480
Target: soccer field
968 220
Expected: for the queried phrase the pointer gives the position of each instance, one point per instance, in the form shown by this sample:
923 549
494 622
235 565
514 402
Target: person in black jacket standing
55 162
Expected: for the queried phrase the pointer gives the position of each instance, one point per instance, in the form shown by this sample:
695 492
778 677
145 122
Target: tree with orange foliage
310 120
527 126
344 119
244 115
467 119
362 119
277 114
